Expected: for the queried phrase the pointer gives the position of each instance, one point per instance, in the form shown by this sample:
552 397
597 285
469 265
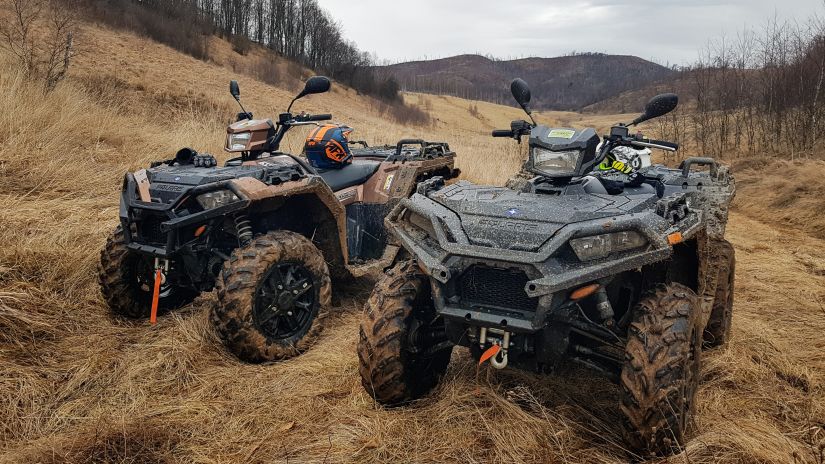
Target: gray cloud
668 31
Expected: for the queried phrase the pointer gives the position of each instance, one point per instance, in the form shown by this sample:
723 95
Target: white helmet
636 158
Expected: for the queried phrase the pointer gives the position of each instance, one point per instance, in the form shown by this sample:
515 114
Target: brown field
79 386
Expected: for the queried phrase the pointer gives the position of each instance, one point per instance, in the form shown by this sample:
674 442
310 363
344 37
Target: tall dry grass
79 386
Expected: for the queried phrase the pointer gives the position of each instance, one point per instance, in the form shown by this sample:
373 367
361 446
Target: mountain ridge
558 83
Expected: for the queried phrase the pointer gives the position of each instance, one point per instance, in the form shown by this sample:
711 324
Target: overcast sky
664 30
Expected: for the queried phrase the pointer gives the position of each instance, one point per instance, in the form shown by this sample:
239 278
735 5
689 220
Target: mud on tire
120 283
661 370
252 315
717 331
392 366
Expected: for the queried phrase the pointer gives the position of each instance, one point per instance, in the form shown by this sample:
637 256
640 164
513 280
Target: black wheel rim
284 301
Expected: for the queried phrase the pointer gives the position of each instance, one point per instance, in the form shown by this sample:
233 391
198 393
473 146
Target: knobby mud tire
118 283
238 283
660 375
717 331
390 371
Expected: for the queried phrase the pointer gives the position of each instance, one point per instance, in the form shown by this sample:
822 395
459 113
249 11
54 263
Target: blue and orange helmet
327 146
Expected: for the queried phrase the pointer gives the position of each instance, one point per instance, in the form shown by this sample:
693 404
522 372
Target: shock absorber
243 227
604 307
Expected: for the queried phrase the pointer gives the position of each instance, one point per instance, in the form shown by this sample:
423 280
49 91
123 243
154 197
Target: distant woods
761 93
298 30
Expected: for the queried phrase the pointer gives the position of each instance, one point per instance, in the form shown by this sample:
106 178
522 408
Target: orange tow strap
153 317
489 353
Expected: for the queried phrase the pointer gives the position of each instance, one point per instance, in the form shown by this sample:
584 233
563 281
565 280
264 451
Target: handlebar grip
319 117
664 143
502 133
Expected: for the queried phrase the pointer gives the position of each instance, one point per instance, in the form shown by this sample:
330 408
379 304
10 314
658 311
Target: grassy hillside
79 386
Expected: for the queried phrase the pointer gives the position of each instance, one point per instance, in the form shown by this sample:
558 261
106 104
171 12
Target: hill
561 83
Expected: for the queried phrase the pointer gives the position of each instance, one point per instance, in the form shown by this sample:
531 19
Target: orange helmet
327 146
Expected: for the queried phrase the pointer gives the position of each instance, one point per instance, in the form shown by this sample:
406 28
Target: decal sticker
509 225
561 133
388 182
512 212
143 185
344 196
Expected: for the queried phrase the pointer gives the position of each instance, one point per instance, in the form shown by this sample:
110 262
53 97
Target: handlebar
502 133
665 143
316 117
660 144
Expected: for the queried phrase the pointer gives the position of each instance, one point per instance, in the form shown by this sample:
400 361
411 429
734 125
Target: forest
298 30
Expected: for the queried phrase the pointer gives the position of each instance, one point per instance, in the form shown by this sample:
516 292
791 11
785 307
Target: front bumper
550 273
160 230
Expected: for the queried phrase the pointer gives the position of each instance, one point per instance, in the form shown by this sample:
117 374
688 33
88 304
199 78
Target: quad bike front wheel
660 375
269 295
126 281
717 331
402 350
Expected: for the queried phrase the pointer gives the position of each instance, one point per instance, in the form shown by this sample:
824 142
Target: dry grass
78 386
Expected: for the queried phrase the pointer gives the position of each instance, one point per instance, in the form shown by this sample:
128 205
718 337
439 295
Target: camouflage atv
628 275
267 230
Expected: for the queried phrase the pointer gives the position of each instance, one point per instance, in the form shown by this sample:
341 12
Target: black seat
601 186
354 174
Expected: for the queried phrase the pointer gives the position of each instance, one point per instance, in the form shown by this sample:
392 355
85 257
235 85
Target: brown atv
269 231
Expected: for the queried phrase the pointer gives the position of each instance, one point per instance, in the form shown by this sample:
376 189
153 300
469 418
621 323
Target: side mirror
521 92
659 105
315 84
235 90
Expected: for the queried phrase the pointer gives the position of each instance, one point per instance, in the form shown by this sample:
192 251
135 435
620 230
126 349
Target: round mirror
661 105
520 91
316 84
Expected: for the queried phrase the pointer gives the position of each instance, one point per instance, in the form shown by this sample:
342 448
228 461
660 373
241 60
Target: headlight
239 141
421 223
217 199
556 163
599 246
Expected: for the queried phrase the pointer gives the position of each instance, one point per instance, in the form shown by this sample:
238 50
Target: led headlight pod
216 199
600 246
239 141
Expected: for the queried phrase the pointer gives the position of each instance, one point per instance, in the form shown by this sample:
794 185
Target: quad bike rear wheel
127 281
660 375
402 351
717 331
269 295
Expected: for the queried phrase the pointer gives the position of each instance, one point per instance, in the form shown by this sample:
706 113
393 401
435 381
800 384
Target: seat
353 174
600 186
593 185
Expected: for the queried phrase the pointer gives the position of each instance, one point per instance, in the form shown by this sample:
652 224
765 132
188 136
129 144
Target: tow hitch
161 269
497 353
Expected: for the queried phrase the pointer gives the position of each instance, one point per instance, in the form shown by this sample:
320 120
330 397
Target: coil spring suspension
243 227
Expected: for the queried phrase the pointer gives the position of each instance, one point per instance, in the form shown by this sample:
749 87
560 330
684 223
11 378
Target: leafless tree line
299 30
758 94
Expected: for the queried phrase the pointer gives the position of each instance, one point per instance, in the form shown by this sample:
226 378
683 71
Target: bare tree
40 37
